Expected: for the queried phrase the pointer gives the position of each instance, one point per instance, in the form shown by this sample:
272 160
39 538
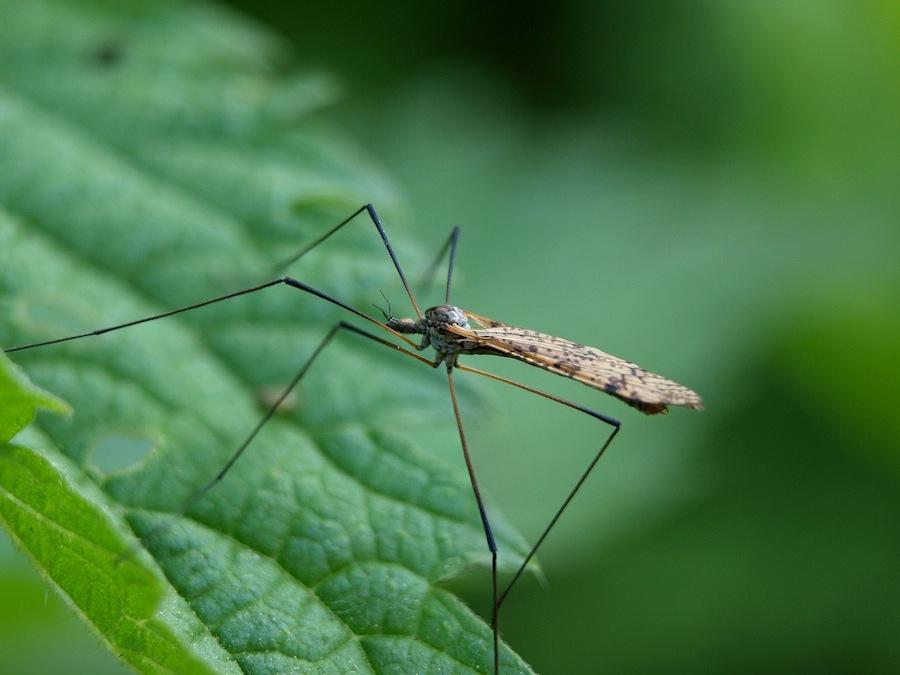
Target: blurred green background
710 189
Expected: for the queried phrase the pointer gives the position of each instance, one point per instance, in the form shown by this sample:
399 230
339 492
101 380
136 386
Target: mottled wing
484 321
646 391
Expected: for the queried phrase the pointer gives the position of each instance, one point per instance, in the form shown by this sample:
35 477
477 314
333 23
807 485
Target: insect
453 332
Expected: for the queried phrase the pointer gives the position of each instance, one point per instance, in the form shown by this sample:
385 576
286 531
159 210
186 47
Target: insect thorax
436 320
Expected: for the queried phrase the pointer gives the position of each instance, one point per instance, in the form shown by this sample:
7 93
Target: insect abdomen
646 408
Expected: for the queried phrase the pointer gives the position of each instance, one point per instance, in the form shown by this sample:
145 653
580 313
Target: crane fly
453 332
448 330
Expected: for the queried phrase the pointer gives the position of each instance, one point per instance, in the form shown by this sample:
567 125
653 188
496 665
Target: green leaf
153 155
59 520
20 400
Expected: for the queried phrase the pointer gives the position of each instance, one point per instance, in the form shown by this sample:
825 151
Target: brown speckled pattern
646 391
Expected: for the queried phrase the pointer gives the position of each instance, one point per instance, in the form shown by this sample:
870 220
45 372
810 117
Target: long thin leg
289 281
384 238
287 262
488 533
614 423
280 280
343 325
270 412
428 277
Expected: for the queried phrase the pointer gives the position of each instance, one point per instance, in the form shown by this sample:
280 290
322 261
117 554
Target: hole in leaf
117 452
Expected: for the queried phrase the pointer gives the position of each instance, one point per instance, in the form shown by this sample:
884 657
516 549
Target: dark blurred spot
108 54
372 48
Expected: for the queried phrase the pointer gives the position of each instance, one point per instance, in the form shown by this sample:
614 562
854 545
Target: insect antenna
387 313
